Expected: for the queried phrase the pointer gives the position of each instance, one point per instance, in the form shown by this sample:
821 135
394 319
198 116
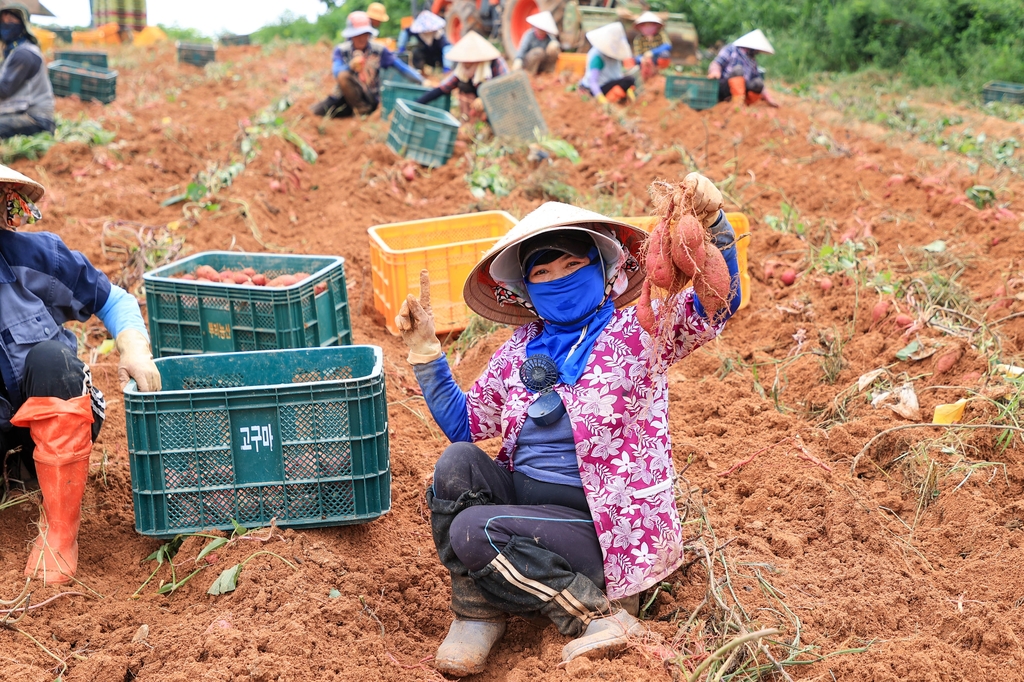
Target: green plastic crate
1001 91
81 57
298 436
697 92
235 40
393 90
87 82
196 54
511 107
63 34
422 133
188 317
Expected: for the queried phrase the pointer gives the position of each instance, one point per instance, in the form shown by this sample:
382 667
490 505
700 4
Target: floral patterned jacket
619 414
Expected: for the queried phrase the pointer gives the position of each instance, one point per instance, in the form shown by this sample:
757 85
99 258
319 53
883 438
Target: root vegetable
249 272
879 311
659 265
189 276
259 280
945 362
788 276
904 320
769 271
688 247
320 288
409 172
644 310
825 283
282 281
227 277
301 276
712 285
206 272
241 278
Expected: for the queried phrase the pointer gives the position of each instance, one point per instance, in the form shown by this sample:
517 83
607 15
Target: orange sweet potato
712 284
688 251
644 310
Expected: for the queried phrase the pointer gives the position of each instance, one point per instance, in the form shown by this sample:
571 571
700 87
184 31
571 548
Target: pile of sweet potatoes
248 277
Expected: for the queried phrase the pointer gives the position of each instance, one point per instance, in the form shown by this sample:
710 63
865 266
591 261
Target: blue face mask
569 299
11 32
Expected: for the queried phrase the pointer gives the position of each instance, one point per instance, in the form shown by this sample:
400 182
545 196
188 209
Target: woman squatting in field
577 515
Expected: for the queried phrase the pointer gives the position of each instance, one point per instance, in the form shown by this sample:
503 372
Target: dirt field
916 556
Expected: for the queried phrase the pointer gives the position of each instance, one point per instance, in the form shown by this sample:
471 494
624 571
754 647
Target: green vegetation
32 147
328 26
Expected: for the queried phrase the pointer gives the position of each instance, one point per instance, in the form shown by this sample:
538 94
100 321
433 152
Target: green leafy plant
981 196
789 222
32 147
489 179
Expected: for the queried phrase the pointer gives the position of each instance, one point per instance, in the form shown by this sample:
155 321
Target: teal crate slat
300 436
1001 91
196 54
189 317
698 93
393 90
81 57
235 40
422 133
511 108
85 81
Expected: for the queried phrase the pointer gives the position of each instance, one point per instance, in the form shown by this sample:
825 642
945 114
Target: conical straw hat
610 40
649 18
545 21
427 22
24 184
755 40
473 48
499 269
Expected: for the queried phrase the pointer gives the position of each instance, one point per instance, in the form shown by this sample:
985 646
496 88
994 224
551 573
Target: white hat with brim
755 40
610 40
427 22
545 21
473 48
649 18
22 183
500 268
354 31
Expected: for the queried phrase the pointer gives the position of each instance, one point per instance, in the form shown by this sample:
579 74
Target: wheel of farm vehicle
463 16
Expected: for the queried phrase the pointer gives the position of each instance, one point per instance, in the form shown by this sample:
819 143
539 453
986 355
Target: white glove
136 361
415 322
707 199
517 64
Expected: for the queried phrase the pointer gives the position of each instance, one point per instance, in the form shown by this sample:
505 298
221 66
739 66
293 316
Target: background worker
431 45
48 404
26 97
539 48
378 14
578 511
651 43
604 77
739 77
476 61
356 65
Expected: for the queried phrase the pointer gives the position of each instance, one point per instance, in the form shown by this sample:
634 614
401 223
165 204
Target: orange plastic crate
572 61
739 223
447 248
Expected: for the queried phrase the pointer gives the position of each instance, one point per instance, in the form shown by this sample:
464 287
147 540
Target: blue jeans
23 124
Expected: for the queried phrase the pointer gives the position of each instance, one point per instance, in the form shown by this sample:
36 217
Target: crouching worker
651 43
604 77
577 515
476 61
48 404
539 48
26 96
735 68
432 46
356 65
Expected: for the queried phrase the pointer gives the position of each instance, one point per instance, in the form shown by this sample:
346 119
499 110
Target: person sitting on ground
604 77
26 96
577 515
651 43
476 61
356 65
736 70
431 47
539 48
49 407
378 14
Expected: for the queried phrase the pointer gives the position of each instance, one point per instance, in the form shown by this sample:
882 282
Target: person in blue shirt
26 97
49 407
356 65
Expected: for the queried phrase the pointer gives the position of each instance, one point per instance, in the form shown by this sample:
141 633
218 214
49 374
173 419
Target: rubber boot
603 636
753 98
616 94
63 438
738 89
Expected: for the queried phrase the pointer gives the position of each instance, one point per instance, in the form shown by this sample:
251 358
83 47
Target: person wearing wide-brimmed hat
378 14
476 61
577 515
431 44
539 48
739 76
49 407
604 77
651 43
356 66
26 96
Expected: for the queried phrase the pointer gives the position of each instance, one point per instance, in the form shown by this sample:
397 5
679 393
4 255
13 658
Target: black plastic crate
1001 91
196 54
87 82
234 40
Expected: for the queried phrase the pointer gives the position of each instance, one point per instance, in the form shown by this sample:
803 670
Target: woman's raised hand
415 322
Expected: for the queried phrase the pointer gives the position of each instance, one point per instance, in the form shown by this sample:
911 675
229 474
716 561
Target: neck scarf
575 311
481 73
20 211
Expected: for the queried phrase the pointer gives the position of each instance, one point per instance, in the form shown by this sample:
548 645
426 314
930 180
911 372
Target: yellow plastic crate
576 62
447 248
739 223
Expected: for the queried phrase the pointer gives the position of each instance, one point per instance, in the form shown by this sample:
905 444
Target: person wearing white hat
576 516
539 49
356 65
737 72
430 45
476 61
26 96
651 43
49 407
604 77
